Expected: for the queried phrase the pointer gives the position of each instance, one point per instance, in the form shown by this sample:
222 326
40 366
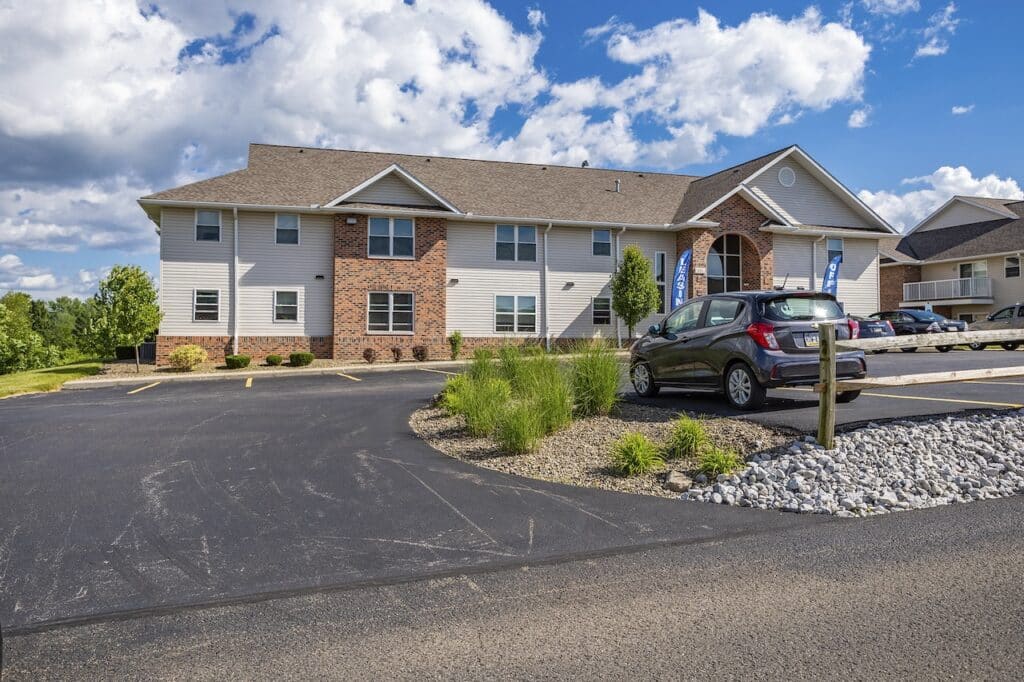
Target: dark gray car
742 343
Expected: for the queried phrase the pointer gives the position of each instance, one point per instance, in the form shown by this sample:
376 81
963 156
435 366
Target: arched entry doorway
725 264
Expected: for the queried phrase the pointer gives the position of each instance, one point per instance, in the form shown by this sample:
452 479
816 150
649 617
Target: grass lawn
49 379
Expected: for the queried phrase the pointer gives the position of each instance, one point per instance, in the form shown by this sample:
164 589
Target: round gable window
787 178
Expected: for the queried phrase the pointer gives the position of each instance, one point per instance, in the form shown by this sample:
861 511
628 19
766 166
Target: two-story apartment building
964 260
335 251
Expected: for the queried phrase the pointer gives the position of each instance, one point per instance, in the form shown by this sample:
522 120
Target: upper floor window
207 226
286 306
391 238
659 279
286 228
1011 266
206 305
601 242
515 242
835 248
975 270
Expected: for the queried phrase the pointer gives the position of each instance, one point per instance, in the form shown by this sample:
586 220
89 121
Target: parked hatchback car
911 321
1011 317
872 329
742 343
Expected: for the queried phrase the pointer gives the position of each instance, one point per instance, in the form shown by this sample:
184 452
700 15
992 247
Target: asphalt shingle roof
967 241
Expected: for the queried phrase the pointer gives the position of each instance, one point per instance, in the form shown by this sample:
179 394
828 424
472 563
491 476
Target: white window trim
515 315
195 225
391 314
298 306
973 264
391 240
298 228
515 242
664 281
842 248
707 277
610 242
1006 261
195 293
593 311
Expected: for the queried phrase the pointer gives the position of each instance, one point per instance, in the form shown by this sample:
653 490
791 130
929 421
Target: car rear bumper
774 371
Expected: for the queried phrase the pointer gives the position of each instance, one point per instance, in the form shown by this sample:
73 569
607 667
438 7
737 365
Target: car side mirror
990 317
654 329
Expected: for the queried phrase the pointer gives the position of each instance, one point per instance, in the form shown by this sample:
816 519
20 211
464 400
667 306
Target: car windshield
925 316
785 308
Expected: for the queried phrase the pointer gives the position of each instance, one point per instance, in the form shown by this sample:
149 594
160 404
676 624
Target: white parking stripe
349 376
437 371
143 388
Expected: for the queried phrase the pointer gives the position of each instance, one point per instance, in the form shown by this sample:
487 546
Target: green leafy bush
483 403
274 360
237 361
688 438
635 454
543 381
300 359
420 353
455 343
596 374
187 358
714 461
520 428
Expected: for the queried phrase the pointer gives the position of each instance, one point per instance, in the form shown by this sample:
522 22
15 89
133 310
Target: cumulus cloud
891 7
536 17
904 210
941 26
859 117
960 110
15 275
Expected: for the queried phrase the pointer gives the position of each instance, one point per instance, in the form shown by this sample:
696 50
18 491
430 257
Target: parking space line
143 388
349 376
998 383
248 382
918 397
437 371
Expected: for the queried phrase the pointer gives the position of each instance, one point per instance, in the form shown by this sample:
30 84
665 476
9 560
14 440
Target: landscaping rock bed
883 468
580 453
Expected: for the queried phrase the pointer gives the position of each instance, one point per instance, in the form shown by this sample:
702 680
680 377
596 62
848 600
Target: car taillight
854 328
890 326
934 327
764 335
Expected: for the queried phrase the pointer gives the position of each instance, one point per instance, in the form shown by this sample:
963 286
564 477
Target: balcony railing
941 289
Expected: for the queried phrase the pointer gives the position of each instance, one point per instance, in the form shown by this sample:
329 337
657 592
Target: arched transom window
724 265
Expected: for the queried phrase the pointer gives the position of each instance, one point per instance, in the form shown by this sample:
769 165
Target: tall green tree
127 310
21 348
634 291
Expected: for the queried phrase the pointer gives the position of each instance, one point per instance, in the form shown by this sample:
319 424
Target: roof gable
393 186
962 210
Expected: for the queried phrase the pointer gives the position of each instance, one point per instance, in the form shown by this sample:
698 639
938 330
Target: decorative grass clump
543 382
482 367
510 366
452 396
596 373
688 438
482 404
713 461
634 454
520 428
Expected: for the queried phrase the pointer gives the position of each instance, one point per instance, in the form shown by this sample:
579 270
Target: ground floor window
286 306
515 313
602 310
206 305
390 312
723 265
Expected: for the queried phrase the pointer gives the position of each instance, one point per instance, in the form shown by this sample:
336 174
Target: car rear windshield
784 308
926 316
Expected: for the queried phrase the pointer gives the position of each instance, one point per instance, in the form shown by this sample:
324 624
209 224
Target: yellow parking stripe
437 371
143 388
349 376
248 382
917 397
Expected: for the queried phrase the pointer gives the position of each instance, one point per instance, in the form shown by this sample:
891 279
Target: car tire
1010 345
880 351
742 389
847 396
643 380
977 346
912 349
943 349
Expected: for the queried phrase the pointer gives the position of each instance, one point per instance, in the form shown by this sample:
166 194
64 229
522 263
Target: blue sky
906 101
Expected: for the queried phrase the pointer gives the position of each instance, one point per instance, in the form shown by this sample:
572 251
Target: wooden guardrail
828 386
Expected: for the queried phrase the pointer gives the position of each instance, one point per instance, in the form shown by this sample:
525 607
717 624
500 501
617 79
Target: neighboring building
336 251
964 260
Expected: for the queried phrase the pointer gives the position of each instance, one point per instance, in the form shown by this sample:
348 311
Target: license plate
951 329
811 340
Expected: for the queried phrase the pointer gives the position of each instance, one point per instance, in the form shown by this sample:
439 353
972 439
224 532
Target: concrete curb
236 374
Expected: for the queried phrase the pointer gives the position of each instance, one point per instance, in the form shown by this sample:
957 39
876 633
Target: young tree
127 310
634 291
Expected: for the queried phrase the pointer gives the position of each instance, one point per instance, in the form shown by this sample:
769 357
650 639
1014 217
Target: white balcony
966 291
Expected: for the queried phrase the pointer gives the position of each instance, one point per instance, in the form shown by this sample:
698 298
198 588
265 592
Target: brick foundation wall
258 347
215 346
891 280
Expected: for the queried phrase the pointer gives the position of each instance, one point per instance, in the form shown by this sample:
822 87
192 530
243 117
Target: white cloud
960 110
536 17
889 7
859 117
905 210
936 34
42 282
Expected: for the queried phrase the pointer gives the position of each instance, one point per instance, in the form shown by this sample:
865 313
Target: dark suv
742 343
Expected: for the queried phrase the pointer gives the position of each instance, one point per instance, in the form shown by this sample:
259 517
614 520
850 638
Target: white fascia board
404 174
825 232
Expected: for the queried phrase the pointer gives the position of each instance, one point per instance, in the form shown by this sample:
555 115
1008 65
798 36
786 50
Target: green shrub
274 360
420 353
714 461
237 361
510 366
455 342
688 438
187 358
482 404
596 374
520 428
300 359
482 366
543 381
454 394
634 454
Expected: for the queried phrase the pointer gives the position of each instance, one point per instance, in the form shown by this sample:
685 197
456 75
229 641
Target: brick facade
891 280
257 347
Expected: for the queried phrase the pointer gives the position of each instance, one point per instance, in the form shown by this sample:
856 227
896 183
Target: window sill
376 333
391 257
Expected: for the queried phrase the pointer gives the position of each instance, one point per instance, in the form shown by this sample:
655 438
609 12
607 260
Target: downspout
814 262
618 258
544 293
234 285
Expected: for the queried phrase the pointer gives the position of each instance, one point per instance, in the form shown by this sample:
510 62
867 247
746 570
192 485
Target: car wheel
742 389
977 346
909 350
847 396
943 349
643 381
1011 345
880 351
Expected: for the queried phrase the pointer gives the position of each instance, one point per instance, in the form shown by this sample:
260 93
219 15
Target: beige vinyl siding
807 202
265 266
1005 291
392 189
651 242
572 260
858 275
957 213
792 257
187 265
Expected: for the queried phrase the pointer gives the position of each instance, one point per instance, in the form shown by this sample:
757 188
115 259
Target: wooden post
827 373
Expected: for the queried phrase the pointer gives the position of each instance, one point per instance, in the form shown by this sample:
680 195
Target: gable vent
787 177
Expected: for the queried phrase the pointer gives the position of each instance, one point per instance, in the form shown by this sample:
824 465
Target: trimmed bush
543 382
688 438
419 353
370 355
483 403
453 394
596 374
396 353
237 361
455 343
520 428
187 358
482 367
635 454
300 359
714 461
274 360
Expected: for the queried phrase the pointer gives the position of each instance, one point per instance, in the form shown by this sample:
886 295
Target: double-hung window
286 228
389 312
207 226
601 242
391 237
286 306
515 314
515 242
659 279
835 248
206 305
1011 267
602 310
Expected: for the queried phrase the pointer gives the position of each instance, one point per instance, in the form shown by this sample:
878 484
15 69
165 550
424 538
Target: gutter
234 285
618 259
826 232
